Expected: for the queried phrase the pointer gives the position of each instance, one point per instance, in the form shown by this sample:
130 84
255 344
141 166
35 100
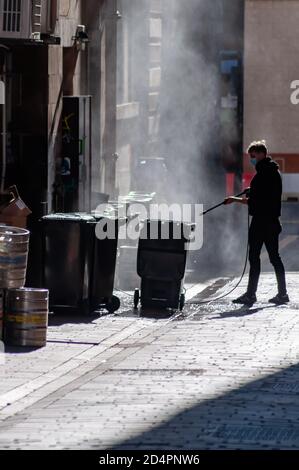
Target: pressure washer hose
239 282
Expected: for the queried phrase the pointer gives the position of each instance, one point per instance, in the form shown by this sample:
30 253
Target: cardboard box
13 211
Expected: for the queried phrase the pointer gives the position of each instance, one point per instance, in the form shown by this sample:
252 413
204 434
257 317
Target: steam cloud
189 135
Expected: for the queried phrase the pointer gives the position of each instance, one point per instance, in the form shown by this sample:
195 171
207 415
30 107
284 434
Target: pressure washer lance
246 191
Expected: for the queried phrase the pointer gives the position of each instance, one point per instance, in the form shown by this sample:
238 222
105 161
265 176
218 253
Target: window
12 15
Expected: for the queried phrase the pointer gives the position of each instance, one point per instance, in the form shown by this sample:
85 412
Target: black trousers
265 231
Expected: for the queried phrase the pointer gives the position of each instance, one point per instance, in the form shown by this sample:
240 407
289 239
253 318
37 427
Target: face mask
253 161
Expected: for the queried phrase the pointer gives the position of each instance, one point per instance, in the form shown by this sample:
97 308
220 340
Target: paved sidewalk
216 376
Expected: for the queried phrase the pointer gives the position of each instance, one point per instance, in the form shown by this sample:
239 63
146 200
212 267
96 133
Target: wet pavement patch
226 309
209 291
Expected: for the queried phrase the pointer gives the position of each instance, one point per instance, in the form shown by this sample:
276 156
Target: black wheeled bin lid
160 235
69 217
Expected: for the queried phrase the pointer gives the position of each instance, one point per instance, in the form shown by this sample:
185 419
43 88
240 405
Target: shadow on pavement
60 320
20 350
157 314
263 414
240 312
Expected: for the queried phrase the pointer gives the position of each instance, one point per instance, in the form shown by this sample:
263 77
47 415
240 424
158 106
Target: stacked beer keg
23 311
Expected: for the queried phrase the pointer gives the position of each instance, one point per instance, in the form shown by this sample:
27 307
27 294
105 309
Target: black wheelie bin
161 264
77 268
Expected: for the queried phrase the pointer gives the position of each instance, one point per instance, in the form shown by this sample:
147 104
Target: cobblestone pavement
216 376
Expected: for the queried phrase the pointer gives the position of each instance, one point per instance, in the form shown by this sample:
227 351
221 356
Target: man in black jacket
264 203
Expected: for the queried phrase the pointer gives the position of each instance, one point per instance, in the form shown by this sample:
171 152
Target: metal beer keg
14 246
26 317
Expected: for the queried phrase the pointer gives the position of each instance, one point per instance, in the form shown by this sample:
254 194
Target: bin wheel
85 309
136 298
182 301
113 304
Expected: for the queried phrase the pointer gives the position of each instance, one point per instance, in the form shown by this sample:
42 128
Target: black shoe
280 299
245 299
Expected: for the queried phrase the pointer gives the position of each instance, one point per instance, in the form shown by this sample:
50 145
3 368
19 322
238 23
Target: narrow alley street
216 376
